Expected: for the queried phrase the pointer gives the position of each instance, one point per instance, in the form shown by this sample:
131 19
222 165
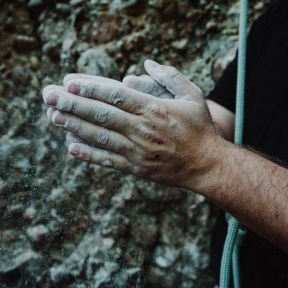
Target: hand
147 84
163 140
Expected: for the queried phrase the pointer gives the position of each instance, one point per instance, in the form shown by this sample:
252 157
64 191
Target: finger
94 135
111 93
146 84
173 80
75 76
50 111
52 87
100 157
88 109
73 138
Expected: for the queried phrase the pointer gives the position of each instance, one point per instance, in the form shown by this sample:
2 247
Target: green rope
233 224
235 265
235 258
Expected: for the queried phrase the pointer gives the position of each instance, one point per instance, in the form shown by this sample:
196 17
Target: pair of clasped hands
155 126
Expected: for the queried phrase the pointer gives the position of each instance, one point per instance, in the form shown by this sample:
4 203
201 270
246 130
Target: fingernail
59 118
51 99
152 63
74 149
74 88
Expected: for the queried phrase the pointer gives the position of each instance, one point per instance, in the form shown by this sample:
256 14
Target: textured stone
37 233
97 62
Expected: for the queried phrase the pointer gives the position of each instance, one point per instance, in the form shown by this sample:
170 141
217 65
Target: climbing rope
231 242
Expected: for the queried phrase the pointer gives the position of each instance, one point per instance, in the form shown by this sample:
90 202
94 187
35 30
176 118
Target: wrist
214 170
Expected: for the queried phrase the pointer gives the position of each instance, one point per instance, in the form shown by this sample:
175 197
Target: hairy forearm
253 189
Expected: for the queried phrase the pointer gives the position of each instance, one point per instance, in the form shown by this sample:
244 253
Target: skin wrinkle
102 116
86 91
103 139
65 104
117 96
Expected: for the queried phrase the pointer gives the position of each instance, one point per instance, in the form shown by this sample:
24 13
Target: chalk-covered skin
143 83
223 118
163 140
147 84
172 141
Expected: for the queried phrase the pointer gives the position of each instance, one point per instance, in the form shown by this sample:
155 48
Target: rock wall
64 223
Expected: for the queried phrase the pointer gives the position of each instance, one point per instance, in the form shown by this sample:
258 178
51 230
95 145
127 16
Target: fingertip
152 68
48 88
130 81
73 87
151 64
69 77
45 90
74 149
72 138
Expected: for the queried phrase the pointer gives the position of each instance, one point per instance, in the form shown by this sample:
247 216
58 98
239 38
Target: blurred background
64 223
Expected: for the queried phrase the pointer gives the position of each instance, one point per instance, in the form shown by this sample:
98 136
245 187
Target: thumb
175 82
147 84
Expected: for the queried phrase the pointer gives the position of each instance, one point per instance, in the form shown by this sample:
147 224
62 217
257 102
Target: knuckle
149 134
103 139
74 105
157 110
67 104
142 130
87 91
117 95
102 116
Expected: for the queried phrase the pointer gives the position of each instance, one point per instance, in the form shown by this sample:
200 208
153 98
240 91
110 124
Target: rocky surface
64 223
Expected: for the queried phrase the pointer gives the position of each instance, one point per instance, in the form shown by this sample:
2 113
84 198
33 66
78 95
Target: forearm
253 189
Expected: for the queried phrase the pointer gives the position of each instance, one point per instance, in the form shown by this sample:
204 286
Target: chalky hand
133 131
147 84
